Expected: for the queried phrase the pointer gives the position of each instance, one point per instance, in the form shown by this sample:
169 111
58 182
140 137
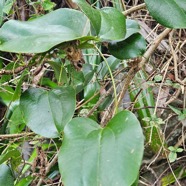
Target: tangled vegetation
92 92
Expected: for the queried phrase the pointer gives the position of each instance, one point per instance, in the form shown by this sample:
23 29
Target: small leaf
169 13
172 157
6 177
91 155
132 47
17 92
179 150
172 149
46 113
177 111
48 5
89 92
158 78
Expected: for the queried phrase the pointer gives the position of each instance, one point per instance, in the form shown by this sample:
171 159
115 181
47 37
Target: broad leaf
169 13
41 34
110 28
91 13
46 113
131 47
6 177
91 155
104 21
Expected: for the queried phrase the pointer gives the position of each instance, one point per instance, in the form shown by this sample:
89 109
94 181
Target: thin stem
112 78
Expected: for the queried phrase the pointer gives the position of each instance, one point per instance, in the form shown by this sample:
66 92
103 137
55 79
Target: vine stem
112 78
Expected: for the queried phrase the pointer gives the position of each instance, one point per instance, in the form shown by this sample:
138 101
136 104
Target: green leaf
110 28
177 111
102 69
43 33
172 149
25 181
47 112
179 150
172 156
48 5
6 177
91 13
131 47
16 122
104 21
91 155
132 27
7 6
10 154
17 92
90 90
169 13
1 10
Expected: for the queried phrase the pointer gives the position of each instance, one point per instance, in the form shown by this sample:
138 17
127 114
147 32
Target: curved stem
112 78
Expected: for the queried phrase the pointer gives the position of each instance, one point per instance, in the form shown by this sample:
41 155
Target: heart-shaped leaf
46 113
41 34
91 155
131 47
169 13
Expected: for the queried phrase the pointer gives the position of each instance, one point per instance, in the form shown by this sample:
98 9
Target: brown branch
50 165
8 136
15 71
133 9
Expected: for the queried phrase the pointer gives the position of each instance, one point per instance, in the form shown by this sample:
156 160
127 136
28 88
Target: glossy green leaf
131 47
90 90
91 155
47 112
91 13
132 27
104 21
110 28
169 13
43 33
6 177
